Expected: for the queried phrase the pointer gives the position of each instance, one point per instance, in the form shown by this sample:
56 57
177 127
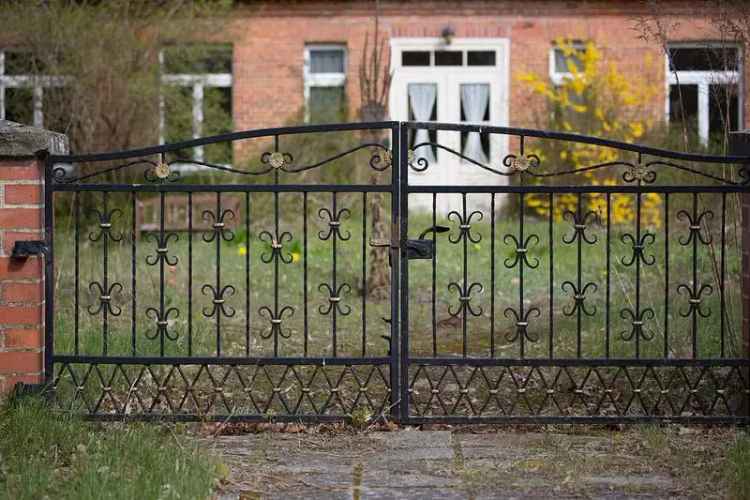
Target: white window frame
703 79
558 77
448 169
321 79
34 82
198 82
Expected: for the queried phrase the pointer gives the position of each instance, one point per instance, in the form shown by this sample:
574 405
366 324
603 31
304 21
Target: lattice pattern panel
600 391
269 391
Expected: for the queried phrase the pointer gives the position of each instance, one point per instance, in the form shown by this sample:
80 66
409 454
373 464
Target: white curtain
475 98
422 100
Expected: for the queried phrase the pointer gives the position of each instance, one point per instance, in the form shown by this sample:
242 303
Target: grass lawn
46 454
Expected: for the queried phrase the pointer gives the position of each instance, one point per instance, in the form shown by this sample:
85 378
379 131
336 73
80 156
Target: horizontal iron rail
565 362
233 136
207 360
337 127
577 189
583 139
614 419
191 417
307 418
225 188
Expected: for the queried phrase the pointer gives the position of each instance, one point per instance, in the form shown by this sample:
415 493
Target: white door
466 81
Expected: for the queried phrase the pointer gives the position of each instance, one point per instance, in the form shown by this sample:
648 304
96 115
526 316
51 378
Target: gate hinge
25 249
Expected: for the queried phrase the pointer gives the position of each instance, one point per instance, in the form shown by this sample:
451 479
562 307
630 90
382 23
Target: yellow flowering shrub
594 99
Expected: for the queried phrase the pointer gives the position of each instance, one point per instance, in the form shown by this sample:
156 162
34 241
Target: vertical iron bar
395 297
638 268
464 286
434 276
276 259
579 271
49 268
521 242
190 274
723 270
550 221
76 319
161 271
105 279
364 274
334 290
492 275
402 218
607 304
666 275
133 265
218 275
304 269
694 317
247 273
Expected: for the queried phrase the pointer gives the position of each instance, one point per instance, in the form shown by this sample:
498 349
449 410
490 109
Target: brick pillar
21 280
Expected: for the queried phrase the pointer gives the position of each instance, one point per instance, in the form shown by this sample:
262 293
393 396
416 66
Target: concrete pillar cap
17 140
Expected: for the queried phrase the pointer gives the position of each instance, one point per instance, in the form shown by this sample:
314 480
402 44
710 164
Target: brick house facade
269 41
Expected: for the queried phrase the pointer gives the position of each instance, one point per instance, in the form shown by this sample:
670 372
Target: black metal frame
506 382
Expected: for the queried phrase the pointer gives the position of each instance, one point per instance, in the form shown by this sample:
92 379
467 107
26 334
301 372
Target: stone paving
451 465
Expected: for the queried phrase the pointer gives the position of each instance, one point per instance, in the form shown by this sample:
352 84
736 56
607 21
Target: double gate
576 280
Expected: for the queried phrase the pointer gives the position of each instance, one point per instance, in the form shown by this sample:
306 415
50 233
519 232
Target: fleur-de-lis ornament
464 227
580 223
579 297
218 300
521 324
464 298
694 226
695 299
334 224
105 298
639 248
276 321
277 245
218 224
162 249
522 251
637 324
334 299
105 225
162 320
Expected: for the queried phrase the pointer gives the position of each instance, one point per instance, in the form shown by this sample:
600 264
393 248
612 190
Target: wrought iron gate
579 280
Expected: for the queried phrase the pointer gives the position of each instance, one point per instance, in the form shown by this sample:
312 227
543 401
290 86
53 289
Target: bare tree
375 83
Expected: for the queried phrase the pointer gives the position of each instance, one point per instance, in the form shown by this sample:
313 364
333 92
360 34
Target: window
325 78
196 100
475 109
22 88
564 60
704 83
448 58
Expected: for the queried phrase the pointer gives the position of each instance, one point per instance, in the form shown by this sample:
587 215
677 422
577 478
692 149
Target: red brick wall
269 40
21 283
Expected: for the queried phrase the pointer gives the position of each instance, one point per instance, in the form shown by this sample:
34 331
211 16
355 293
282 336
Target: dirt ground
336 462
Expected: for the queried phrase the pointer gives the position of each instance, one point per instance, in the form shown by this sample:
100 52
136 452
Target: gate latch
25 249
422 248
